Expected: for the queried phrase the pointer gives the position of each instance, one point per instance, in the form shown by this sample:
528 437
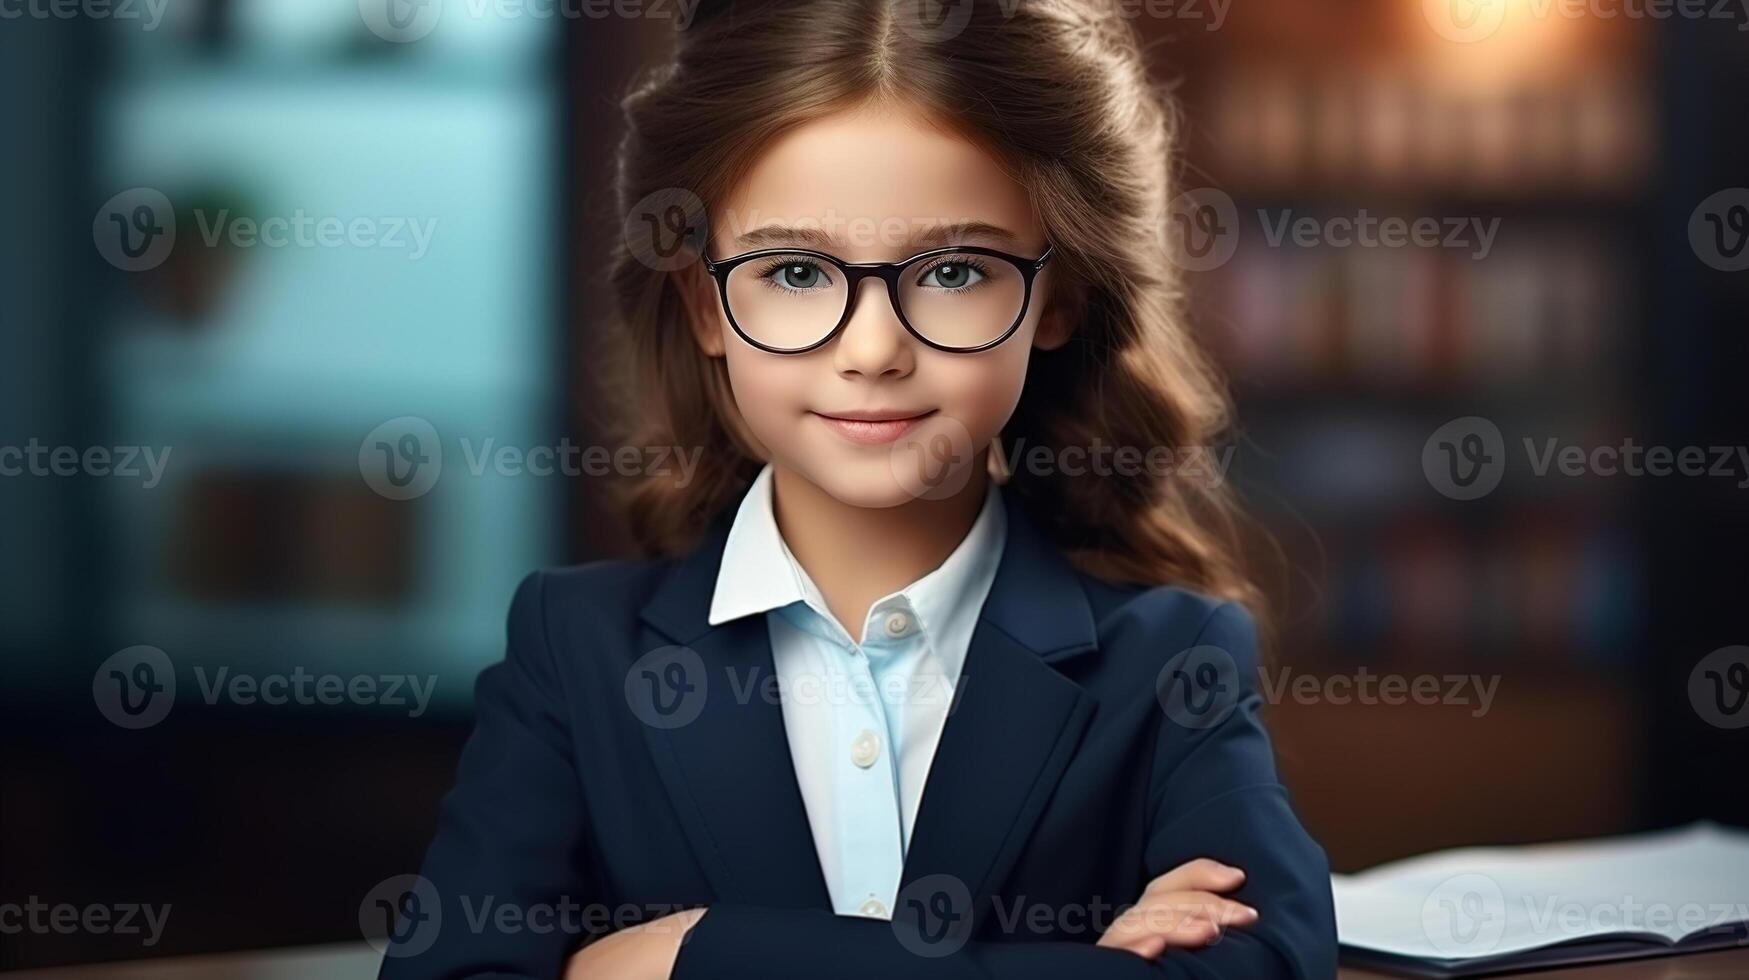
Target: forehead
872 183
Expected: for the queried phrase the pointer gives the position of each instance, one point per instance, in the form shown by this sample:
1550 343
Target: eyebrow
944 233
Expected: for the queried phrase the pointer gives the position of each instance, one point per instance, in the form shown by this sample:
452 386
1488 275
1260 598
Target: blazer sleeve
1216 795
511 831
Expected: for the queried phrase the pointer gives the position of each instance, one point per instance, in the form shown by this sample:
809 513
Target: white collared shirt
862 716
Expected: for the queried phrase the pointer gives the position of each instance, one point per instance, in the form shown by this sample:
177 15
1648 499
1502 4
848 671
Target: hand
1180 909
640 952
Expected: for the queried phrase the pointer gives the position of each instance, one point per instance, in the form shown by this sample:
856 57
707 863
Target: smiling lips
873 428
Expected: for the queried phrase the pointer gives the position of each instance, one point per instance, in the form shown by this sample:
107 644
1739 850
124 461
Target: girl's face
872 416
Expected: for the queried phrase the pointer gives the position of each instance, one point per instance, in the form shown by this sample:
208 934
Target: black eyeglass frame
855 272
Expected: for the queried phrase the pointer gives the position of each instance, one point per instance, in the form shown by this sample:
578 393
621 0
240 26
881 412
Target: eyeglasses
959 299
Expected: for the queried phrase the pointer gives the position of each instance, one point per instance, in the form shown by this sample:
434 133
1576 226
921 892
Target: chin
860 483
877 476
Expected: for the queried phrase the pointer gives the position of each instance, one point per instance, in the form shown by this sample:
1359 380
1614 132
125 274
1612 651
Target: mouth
873 428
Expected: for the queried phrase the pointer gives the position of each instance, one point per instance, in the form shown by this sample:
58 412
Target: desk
356 961
1724 964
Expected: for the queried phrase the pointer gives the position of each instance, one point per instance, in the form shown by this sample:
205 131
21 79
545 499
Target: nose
874 343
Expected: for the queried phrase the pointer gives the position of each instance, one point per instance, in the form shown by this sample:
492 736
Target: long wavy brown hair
1057 90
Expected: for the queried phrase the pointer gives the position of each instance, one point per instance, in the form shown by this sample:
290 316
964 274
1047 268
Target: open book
1479 910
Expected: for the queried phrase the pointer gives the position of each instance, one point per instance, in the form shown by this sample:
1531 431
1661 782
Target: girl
923 687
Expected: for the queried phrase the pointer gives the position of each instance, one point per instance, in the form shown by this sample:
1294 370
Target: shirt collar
758 573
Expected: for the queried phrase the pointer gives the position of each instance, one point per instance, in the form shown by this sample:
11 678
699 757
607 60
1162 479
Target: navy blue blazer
628 760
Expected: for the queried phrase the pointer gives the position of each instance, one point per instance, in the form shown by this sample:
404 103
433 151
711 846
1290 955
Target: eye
794 274
953 272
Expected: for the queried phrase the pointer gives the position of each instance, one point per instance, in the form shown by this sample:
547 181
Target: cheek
769 390
982 390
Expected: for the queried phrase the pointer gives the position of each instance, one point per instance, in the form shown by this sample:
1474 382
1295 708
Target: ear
698 294
1064 306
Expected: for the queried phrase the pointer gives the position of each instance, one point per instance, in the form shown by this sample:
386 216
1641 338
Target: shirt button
874 908
898 624
865 749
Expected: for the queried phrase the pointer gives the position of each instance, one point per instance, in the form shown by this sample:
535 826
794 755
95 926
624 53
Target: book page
1488 901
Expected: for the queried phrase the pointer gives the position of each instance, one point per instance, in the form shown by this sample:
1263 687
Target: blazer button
874 908
865 749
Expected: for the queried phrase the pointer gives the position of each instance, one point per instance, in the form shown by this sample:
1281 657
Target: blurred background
256 251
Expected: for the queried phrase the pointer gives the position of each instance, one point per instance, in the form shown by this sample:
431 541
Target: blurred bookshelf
1345 358
264 367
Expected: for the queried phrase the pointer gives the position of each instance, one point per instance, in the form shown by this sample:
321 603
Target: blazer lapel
729 770
1014 724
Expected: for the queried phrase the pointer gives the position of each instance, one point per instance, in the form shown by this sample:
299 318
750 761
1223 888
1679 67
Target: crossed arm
1220 825
1181 909
515 825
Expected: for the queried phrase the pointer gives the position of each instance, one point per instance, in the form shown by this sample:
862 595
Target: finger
1128 931
1190 917
1204 874
1144 944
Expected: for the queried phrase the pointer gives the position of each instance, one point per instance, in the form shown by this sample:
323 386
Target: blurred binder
1475 911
